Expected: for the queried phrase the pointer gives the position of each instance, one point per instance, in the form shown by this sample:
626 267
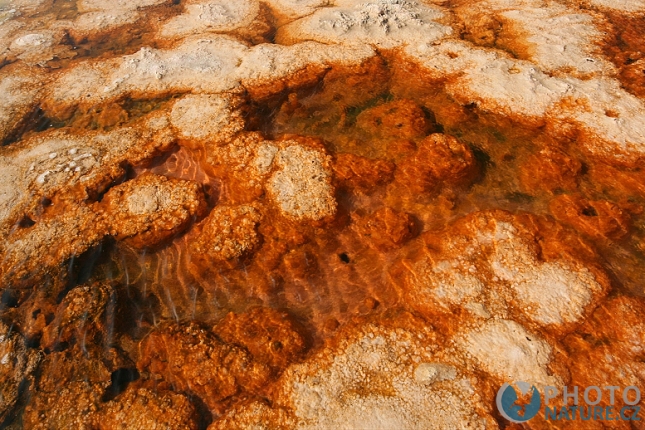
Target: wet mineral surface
289 214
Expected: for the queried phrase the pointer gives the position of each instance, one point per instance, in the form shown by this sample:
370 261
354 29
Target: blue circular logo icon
507 402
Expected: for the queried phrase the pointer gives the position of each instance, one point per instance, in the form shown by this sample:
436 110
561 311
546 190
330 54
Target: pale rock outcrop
202 119
217 16
301 184
383 23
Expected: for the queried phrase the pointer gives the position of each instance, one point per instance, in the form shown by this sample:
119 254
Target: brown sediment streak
315 214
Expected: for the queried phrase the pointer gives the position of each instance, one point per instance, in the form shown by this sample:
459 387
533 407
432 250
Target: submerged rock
228 232
272 337
69 390
196 362
143 408
17 365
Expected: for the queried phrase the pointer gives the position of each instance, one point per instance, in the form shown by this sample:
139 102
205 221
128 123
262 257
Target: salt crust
207 118
98 21
199 65
613 119
383 23
121 5
211 16
301 185
375 378
288 10
296 177
27 6
507 350
630 6
558 38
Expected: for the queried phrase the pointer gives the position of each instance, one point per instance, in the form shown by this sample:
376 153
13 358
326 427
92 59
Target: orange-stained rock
194 361
142 408
16 368
549 170
242 165
608 348
272 337
633 75
80 316
254 413
34 251
37 311
278 238
21 87
386 228
599 219
440 160
620 183
449 159
151 208
400 118
356 84
400 148
228 232
69 390
51 181
361 173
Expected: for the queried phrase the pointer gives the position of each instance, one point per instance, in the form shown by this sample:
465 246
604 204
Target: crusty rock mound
202 119
301 182
66 162
151 208
68 391
228 232
143 408
80 317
